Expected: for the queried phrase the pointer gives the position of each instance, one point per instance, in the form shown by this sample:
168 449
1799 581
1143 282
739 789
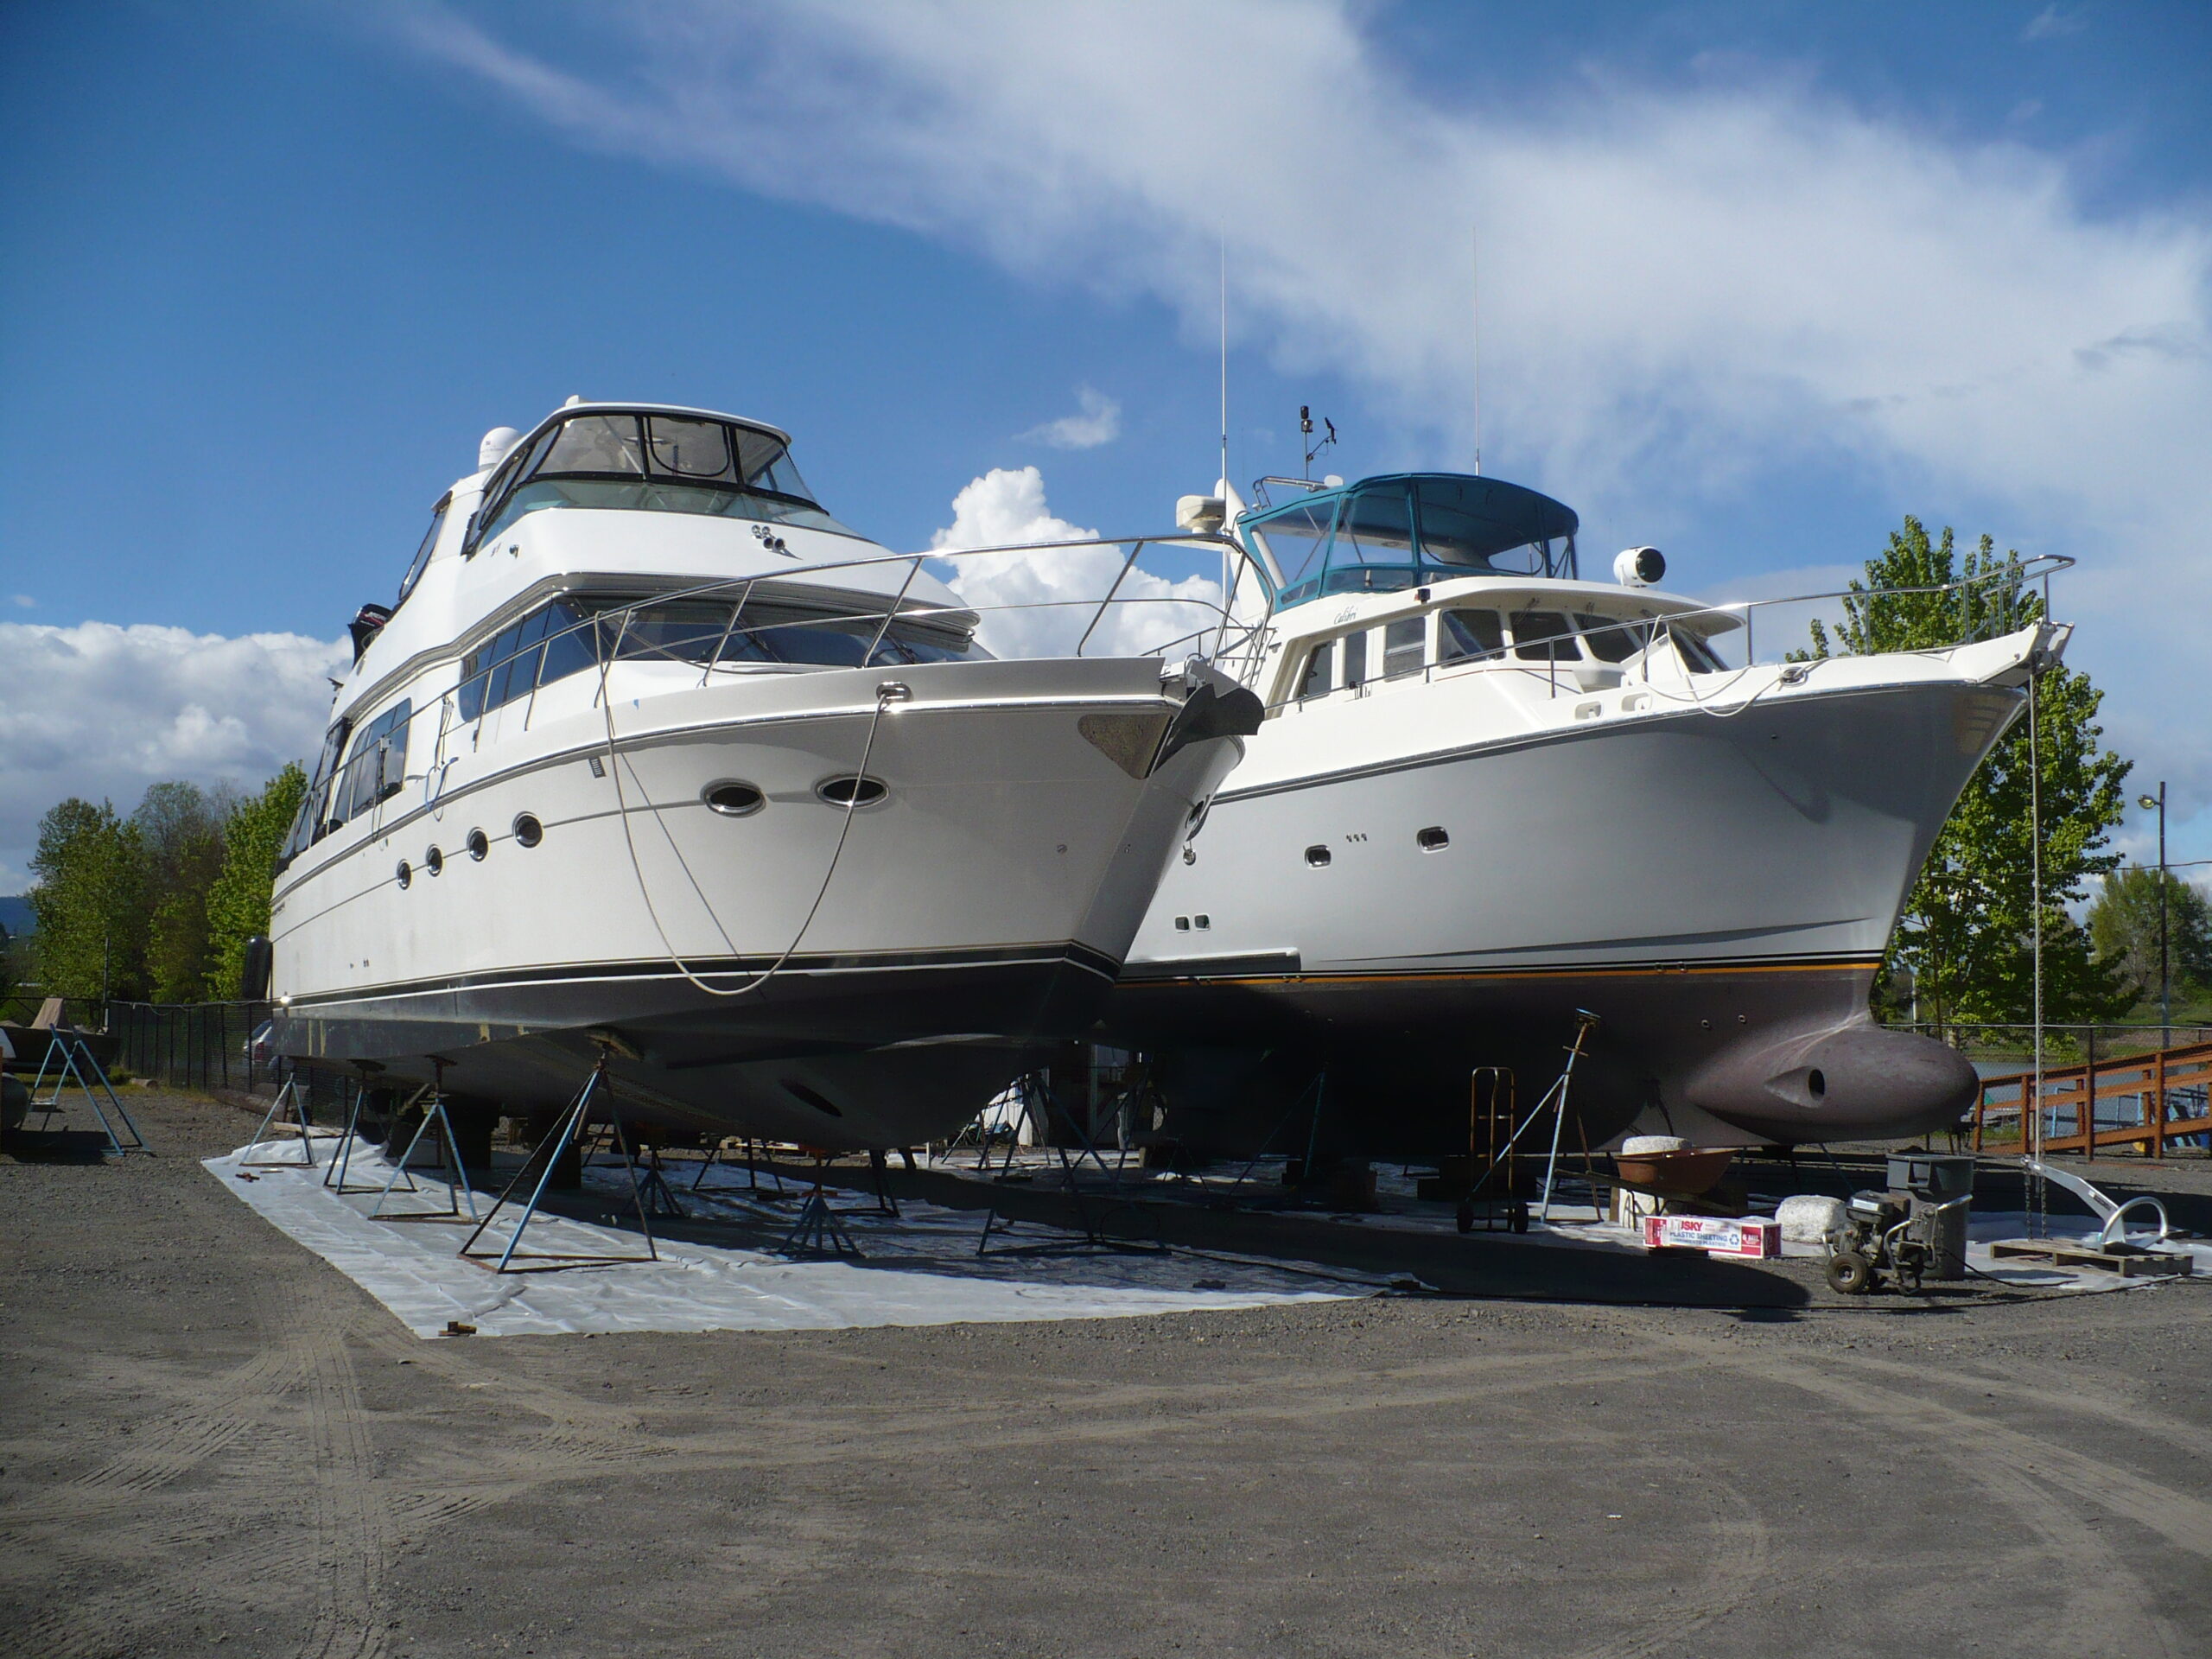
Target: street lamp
2149 803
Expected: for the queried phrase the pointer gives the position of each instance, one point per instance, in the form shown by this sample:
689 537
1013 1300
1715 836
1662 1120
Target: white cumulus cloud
1691 294
1099 421
1038 601
102 711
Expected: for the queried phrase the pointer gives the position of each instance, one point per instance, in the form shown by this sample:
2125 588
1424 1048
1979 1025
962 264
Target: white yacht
654 759
1488 794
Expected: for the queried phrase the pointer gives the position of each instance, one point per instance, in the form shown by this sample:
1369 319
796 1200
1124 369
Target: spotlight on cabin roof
1639 567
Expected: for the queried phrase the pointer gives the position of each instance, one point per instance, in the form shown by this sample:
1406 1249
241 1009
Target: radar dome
493 449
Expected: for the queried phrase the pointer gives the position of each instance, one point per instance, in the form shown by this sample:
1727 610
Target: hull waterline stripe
1385 977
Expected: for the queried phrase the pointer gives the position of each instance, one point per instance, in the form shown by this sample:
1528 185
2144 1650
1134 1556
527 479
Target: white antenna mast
1224 360
1475 295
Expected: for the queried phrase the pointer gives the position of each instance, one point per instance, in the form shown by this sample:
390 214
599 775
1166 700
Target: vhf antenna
1224 361
1306 430
1475 302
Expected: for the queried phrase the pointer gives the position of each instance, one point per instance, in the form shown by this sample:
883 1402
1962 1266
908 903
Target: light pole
2165 985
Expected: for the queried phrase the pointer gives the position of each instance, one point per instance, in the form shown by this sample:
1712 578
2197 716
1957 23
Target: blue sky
1758 280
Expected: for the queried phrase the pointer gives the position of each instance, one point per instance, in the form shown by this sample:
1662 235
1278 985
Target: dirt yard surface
211 1442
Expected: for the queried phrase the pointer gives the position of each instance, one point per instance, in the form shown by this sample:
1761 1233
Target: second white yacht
1488 795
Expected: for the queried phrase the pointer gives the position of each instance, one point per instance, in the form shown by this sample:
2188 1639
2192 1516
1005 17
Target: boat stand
816 1231
752 1168
334 1178
659 1199
1092 1238
79 1065
885 1203
449 1165
540 1164
291 1093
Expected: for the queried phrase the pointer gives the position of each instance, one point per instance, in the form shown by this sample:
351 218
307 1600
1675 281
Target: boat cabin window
1320 663
421 559
572 635
1405 646
651 463
1610 640
1297 538
1462 633
1700 656
308 825
376 767
1540 636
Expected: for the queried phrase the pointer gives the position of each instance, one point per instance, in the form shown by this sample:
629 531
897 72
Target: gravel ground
210 1441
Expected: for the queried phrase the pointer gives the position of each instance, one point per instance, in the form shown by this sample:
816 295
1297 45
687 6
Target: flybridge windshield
1384 534
653 463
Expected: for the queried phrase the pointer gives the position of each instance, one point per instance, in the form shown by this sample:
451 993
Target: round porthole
1318 857
850 792
1432 839
733 799
405 874
478 844
434 860
528 831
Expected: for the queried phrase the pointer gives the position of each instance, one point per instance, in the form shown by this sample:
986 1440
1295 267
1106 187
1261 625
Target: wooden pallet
2128 1264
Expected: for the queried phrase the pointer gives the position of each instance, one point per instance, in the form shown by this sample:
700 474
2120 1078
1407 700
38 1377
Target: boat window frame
521 465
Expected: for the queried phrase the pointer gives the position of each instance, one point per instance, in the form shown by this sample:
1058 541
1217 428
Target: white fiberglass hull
1717 886
746 974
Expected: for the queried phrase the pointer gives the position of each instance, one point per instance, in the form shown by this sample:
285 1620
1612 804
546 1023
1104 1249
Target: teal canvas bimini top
1404 529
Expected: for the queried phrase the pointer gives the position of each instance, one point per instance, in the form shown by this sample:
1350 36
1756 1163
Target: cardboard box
1750 1237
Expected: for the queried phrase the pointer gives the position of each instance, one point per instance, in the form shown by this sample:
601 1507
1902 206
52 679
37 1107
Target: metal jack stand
885 1203
79 1065
334 1178
291 1091
818 1231
1584 1023
449 1164
751 1170
541 1160
1092 1238
654 1191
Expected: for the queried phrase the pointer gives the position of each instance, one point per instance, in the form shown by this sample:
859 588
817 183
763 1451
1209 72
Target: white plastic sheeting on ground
919 1269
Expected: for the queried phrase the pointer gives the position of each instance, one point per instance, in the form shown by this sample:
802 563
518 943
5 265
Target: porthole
405 875
434 860
1318 856
478 844
528 831
733 799
1182 924
850 792
1432 839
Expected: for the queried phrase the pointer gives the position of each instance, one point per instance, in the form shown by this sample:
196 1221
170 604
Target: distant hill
15 915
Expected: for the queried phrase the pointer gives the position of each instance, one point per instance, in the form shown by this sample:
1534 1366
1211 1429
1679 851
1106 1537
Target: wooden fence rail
2150 1102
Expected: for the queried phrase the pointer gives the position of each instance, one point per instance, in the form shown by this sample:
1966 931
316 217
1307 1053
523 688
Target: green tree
2124 928
180 827
238 904
90 902
1965 936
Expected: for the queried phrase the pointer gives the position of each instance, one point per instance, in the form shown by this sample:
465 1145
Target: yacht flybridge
1488 794
656 763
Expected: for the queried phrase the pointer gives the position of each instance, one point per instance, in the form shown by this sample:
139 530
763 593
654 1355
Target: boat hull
1719 892
796 971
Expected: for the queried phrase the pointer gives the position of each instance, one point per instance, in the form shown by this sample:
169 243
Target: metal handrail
2040 568
1222 624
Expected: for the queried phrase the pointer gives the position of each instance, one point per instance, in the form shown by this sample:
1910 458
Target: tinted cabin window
421 559
596 443
1469 633
376 766
1543 635
691 448
1318 664
1696 652
1608 640
1355 659
1404 644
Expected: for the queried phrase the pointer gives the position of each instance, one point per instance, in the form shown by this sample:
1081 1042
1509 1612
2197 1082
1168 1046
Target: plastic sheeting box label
1716 1235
